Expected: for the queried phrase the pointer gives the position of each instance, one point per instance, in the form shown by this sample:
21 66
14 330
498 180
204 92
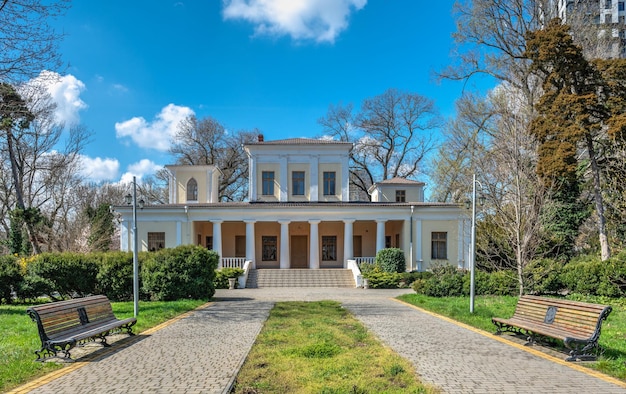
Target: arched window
192 190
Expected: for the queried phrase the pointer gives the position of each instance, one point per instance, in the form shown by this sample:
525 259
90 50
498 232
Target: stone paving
202 352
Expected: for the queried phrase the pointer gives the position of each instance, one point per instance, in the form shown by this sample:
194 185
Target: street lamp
132 199
411 243
481 201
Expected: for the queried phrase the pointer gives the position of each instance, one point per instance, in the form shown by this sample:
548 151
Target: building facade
299 214
603 21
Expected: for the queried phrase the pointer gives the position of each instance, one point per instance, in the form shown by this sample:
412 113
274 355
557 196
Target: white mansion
299 214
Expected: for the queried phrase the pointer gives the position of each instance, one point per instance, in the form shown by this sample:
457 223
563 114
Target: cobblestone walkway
202 352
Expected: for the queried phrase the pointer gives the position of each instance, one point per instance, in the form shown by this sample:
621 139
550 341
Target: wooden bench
577 324
64 324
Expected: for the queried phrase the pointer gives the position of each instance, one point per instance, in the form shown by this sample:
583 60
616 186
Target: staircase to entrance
331 277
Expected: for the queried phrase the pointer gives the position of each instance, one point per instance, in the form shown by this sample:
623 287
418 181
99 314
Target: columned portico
314 249
380 234
217 236
250 247
284 243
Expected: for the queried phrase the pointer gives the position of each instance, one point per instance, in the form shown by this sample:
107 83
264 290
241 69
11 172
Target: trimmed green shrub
384 280
613 278
543 276
446 281
222 275
10 277
115 275
183 272
68 274
582 276
502 283
391 260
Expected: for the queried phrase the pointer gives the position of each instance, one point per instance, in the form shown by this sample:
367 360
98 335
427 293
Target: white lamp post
411 243
132 199
473 242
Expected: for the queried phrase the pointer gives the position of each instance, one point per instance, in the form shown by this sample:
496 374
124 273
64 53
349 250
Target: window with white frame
267 180
297 183
329 183
192 190
439 245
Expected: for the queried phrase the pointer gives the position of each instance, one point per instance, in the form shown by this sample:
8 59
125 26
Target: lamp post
411 243
473 242
132 199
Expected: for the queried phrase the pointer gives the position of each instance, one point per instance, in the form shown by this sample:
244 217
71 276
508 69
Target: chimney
260 138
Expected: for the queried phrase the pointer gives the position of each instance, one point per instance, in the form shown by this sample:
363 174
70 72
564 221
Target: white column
460 244
314 189
250 242
179 233
407 243
380 234
252 179
283 180
284 243
345 179
125 236
314 251
217 238
419 258
348 238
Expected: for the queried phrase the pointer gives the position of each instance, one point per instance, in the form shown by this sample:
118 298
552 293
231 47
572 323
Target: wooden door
299 251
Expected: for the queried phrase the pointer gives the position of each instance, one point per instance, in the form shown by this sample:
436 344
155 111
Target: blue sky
136 68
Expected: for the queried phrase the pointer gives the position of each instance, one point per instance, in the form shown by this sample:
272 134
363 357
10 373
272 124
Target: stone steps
332 277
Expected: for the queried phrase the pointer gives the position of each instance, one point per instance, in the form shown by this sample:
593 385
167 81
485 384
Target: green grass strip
319 347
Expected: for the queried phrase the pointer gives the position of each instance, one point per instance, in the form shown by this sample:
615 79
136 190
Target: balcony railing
365 260
232 262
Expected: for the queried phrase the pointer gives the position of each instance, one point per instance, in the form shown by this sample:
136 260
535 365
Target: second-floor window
268 183
192 190
297 183
400 195
329 183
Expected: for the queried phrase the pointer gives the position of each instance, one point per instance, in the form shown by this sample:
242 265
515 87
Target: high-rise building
598 25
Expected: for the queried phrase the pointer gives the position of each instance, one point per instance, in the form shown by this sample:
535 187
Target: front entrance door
299 251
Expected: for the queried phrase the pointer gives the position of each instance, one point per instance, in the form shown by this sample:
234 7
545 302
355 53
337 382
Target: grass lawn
319 347
612 340
19 338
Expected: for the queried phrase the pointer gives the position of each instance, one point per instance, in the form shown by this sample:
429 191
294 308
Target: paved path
202 352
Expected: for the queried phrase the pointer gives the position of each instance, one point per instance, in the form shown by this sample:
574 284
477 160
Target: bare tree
28 44
206 141
391 135
40 173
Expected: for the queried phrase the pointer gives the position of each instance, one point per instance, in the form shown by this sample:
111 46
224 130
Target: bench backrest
57 317
574 316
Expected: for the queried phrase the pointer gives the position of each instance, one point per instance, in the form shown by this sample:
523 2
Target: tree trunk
32 237
595 173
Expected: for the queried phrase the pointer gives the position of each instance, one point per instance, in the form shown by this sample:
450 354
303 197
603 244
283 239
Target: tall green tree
577 113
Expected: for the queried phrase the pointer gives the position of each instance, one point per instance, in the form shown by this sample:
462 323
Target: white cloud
139 169
64 90
156 134
318 20
98 169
